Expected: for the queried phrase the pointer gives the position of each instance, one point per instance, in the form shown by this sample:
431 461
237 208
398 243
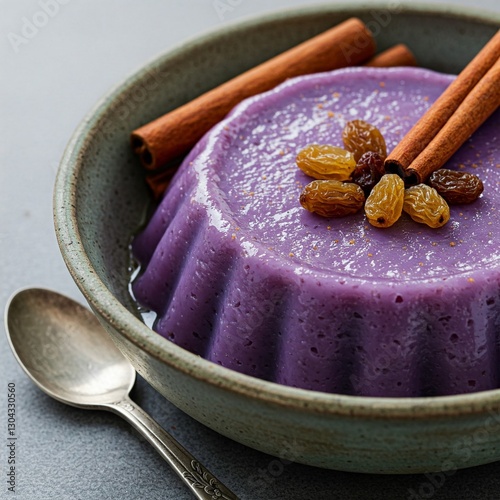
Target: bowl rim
135 331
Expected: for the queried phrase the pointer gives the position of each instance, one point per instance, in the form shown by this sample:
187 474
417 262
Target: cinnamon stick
159 181
453 117
348 44
398 55
481 102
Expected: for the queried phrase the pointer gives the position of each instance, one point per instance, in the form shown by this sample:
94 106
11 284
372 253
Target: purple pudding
239 273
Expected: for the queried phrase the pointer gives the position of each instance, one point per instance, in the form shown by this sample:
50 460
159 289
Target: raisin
456 187
369 170
360 137
331 198
384 205
326 162
424 204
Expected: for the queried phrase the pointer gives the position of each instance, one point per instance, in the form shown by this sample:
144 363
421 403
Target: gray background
46 86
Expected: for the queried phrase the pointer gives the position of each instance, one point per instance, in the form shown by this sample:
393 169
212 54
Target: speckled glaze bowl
100 201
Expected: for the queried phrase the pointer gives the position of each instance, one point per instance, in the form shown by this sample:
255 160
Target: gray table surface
54 67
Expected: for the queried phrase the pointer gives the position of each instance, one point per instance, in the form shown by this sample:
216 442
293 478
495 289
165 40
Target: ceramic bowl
100 201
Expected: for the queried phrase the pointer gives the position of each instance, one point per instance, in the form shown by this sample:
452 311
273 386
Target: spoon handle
202 483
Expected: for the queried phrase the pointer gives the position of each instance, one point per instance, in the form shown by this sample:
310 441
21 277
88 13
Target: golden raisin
424 204
456 187
331 198
384 205
326 162
360 137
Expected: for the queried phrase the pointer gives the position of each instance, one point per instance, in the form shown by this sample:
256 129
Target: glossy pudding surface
239 273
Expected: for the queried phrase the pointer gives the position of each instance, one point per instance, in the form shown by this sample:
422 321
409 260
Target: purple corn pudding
239 273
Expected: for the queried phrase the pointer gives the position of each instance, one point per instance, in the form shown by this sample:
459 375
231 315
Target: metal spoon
66 352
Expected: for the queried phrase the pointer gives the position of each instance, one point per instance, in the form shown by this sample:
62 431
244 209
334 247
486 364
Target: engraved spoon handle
202 483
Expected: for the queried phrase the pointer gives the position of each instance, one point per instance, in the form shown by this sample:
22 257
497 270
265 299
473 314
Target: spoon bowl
65 351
